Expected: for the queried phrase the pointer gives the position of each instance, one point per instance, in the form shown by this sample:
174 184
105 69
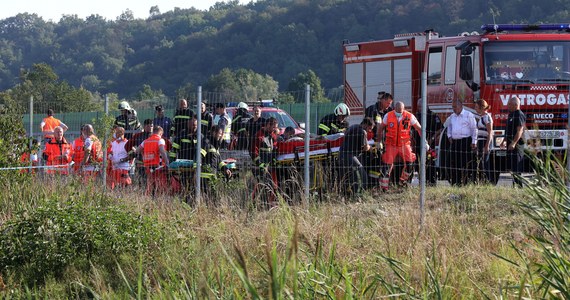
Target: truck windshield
527 62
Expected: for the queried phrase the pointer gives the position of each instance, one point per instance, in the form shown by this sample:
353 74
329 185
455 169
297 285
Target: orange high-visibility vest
49 124
398 132
54 152
78 151
151 151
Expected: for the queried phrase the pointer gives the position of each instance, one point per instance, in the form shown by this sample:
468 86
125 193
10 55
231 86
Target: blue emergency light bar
524 27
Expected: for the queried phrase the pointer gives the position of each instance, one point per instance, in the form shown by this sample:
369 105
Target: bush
54 236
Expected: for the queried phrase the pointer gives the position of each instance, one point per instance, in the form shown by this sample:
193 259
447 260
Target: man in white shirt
462 135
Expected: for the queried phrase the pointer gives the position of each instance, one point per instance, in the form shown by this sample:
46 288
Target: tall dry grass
370 248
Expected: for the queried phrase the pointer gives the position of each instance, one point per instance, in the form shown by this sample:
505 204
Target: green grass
474 244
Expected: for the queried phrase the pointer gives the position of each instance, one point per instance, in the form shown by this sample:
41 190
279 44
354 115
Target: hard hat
242 105
124 105
342 110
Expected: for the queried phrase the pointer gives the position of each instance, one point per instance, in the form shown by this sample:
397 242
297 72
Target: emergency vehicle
528 61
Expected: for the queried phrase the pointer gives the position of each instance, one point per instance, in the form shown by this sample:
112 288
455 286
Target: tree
154 11
302 79
241 85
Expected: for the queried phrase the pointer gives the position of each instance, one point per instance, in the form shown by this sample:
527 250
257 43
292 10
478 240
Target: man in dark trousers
184 147
462 134
514 139
355 143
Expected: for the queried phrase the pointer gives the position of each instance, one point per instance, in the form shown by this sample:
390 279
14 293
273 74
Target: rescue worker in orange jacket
49 123
264 157
58 152
397 125
87 153
155 160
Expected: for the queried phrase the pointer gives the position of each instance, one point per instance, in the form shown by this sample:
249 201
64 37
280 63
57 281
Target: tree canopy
171 51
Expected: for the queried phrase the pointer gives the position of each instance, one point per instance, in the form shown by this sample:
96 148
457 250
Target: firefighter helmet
342 110
124 105
243 105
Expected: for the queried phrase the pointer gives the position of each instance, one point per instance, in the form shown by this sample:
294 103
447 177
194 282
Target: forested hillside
280 38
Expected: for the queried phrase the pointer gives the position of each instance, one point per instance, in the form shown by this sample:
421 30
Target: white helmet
342 110
124 105
243 105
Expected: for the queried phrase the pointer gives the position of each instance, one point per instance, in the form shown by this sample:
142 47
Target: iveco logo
543 116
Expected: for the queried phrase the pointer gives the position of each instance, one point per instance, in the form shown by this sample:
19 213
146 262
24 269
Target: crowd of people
390 135
163 151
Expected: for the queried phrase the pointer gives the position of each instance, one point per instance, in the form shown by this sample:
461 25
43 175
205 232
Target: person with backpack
88 153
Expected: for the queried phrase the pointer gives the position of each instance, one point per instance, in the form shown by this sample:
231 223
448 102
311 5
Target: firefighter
181 117
184 148
335 122
207 118
350 155
155 159
239 126
398 124
87 153
383 107
213 163
378 110
264 159
49 123
58 152
127 119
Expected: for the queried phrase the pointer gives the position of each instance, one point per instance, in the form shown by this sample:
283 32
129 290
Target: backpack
96 150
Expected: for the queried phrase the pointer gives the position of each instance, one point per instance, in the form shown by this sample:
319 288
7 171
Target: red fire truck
528 61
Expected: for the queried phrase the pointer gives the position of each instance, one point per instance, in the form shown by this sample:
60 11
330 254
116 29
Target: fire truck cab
531 62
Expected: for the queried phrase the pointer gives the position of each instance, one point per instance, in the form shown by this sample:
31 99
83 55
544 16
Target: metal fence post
104 171
199 147
32 132
423 149
307 140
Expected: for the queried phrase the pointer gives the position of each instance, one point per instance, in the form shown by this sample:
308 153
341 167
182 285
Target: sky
109 9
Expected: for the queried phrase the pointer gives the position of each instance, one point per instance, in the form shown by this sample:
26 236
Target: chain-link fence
467 139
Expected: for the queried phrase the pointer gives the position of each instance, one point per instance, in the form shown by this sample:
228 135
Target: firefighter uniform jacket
213 159
239 128
180 121
330 125
263 150
185 147
129 122
207 122
375 113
